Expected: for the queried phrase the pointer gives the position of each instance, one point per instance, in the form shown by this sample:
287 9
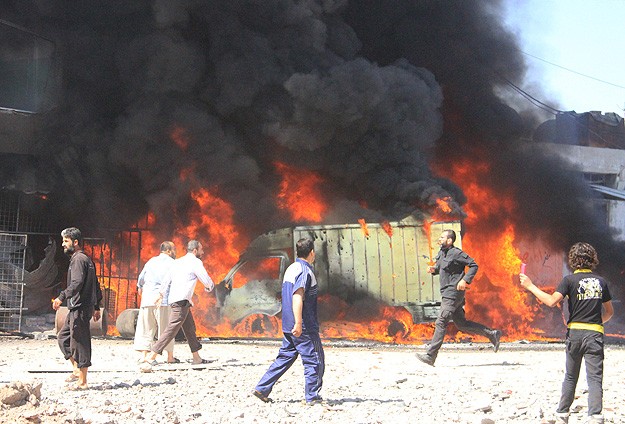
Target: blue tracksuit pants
308 345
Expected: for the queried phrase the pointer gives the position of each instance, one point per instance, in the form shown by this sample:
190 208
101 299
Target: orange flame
496 297
212 223
387 228
443 204
179 136
363 226
300 193
427 228
117 282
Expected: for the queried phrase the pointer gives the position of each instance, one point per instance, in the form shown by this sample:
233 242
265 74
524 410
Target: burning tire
256 325
397 329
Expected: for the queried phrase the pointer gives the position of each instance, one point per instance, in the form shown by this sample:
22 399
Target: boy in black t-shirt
590 306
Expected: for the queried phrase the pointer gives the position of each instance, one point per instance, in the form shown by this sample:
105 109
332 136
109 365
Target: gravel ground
364 383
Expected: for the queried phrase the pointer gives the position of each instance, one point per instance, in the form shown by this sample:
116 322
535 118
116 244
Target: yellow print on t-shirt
589 288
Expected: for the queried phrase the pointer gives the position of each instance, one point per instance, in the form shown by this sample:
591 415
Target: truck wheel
397 329
259 325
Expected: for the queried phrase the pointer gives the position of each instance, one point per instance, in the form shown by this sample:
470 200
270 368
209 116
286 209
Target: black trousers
75 336
454 309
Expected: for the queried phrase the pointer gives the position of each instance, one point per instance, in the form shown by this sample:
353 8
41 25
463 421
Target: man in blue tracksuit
300 328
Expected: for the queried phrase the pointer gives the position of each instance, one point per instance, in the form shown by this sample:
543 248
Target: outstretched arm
550 300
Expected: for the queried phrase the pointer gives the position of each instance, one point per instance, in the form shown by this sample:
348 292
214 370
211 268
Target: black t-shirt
586 292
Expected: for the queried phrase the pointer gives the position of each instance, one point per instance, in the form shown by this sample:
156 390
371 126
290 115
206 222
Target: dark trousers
180 317
587 345
308 345
453 309
75 337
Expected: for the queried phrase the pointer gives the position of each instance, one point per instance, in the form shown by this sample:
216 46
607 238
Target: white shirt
185 272
154 275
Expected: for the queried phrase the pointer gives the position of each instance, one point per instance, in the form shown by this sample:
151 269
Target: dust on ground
363 383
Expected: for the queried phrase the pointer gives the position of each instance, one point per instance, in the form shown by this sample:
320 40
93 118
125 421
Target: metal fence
25 213
12 262
115 252
117 260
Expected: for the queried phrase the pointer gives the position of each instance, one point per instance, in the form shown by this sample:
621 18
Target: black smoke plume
367 94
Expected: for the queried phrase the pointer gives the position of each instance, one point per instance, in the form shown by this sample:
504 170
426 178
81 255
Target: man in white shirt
185 272
154 310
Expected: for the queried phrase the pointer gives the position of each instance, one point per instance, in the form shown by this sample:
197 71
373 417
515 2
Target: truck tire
98 328
126 323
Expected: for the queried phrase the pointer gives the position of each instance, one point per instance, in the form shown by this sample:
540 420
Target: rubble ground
363 383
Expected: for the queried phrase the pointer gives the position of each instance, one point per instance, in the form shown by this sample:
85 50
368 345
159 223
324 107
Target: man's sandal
261 396
71 378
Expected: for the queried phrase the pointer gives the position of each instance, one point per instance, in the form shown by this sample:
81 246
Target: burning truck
386 262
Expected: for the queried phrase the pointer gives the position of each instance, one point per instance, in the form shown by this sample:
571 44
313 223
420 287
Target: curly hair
583 256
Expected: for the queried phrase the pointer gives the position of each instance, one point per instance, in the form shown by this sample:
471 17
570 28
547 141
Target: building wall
616 217
598 160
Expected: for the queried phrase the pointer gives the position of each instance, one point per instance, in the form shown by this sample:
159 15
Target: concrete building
593 143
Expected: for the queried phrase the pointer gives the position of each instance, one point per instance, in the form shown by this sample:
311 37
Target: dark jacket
83 290
450 264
